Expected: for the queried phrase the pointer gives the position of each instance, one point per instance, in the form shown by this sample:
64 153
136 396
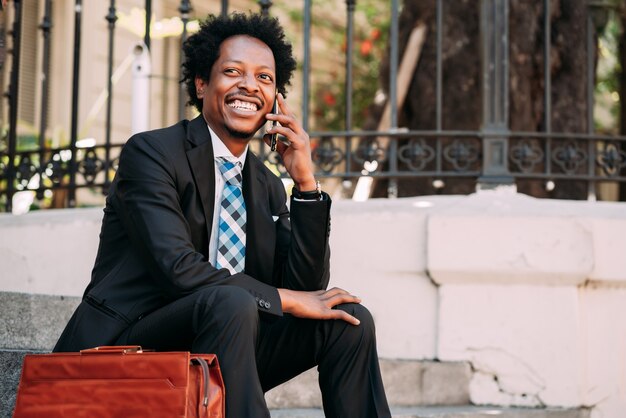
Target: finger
284 113
334 291
344 316
284 130
285 116
290 139
283 106
281 117
342 298
288 126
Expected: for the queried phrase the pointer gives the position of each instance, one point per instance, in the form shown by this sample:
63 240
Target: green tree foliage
371 30
607 98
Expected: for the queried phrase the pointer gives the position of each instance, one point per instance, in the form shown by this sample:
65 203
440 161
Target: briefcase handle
111 349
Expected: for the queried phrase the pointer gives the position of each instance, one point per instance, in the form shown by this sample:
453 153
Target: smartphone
274 111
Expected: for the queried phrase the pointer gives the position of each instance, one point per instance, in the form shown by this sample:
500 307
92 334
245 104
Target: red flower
375 34
366 48
329 99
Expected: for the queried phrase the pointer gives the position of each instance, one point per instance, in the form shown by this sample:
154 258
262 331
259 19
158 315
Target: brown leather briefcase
120 381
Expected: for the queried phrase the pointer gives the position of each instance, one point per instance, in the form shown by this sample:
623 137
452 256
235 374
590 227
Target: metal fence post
547 80
184 9
111 19
13 101
148 19
46 26
350 6
306 66
265 7
71 195
392 186
495 65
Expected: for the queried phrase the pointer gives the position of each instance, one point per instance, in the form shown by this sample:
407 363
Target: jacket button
262 303
268 305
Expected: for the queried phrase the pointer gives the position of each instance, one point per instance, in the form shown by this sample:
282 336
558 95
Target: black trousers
257 355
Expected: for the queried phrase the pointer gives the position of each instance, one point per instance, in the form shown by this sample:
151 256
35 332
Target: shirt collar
220 150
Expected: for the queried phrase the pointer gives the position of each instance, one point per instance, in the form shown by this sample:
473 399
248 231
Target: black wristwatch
309 195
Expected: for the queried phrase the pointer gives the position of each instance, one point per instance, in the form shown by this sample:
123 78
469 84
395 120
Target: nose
248 82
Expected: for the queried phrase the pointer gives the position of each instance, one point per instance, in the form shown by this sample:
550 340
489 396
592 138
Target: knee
366 329
228 302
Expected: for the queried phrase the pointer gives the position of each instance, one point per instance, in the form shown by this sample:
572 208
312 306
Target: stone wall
531 292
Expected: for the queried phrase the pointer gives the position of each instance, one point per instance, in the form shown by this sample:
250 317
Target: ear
200 85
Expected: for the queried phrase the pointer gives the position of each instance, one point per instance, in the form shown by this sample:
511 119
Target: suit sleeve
305 260
147 200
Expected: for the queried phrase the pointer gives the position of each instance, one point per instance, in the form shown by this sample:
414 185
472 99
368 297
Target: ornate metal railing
437 155
493 155
426 154
50 169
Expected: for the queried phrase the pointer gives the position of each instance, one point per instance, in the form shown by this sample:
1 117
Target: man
196 255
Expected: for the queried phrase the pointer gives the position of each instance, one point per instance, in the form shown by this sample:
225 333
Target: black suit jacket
155 234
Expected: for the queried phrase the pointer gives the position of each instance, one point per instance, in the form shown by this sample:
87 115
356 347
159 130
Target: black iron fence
493 155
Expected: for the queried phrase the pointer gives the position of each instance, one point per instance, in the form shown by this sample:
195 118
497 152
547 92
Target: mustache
231 96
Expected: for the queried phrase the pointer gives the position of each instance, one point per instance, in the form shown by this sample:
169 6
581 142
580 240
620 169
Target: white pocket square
275 218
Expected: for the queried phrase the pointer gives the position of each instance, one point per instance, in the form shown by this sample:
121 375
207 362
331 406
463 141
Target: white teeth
238 104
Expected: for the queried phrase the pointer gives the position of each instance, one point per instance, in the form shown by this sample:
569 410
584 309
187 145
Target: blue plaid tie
231 245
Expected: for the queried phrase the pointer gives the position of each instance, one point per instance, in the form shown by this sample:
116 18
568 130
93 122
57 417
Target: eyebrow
241 62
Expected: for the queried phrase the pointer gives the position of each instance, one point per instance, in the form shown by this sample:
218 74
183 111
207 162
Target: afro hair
202 48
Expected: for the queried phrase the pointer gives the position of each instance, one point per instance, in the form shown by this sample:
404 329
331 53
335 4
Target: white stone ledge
505 238
49 252
378 252
609 242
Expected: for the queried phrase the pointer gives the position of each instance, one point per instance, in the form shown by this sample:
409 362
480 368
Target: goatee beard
240 134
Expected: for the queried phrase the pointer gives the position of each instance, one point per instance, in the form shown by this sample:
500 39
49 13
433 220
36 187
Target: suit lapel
260 229
200 158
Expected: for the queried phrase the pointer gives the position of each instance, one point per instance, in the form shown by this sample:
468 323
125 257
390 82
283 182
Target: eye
266 77
231 71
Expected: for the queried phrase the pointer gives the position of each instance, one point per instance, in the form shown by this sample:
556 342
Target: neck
235 146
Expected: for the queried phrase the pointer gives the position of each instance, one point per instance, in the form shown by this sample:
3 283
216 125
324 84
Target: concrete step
32 323
407 383
10 370
451 412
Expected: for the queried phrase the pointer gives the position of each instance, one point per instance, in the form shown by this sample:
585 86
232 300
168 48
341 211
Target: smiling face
240 90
